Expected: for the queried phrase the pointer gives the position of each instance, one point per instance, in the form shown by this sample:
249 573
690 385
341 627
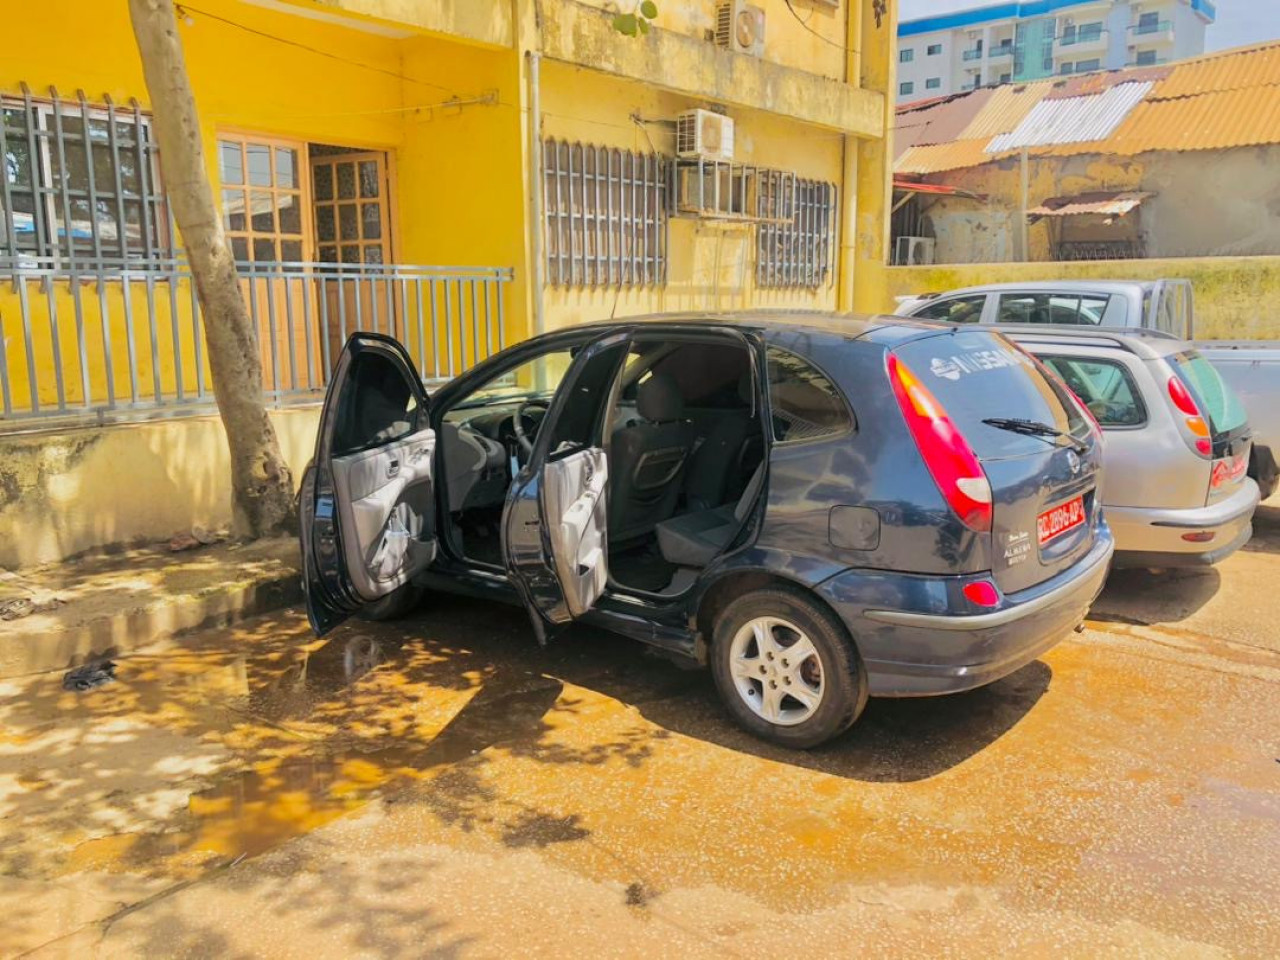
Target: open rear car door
553 526
367 507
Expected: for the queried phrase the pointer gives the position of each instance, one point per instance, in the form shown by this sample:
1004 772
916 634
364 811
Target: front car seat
646 459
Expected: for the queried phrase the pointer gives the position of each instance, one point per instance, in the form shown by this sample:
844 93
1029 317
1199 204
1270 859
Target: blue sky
1239 21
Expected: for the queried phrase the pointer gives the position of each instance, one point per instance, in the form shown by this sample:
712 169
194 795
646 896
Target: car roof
1055 286
802 330
1147 344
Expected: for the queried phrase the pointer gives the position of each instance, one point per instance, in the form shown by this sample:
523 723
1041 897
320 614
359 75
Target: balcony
972 54
1083 41
1156 31
1156 62
1001 50
111 340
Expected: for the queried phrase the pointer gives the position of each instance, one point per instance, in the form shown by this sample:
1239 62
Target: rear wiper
1034 428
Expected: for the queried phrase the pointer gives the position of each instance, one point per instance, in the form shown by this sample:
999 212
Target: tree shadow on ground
895 740
239 742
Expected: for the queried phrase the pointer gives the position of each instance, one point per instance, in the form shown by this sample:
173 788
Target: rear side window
954 310
806 405
1051 308
1105 387
978 375
1218 401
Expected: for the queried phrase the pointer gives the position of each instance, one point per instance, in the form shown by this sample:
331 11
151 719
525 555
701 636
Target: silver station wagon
1177 441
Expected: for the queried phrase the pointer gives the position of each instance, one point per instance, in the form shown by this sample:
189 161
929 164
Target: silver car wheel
776 671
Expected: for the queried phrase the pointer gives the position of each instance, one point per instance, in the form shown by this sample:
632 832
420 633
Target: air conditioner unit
914 251
740 27
703 134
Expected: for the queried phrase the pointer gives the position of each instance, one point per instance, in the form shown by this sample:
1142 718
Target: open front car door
553 526
367 506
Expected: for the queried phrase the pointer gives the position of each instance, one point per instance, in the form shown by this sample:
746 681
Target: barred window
797 253
605 215
68 196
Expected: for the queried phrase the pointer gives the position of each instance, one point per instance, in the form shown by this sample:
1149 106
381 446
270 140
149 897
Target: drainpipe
1024 231
535 190
849 168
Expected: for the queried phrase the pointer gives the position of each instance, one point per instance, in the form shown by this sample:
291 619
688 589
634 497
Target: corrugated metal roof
941 122
949 120
1005 109
1111 203
1076 120
1211 121
1085 84
935 158
1236 70
1216 102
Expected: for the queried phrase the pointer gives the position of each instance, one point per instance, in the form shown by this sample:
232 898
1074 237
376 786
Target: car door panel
554 537
387 506
574 494
367 506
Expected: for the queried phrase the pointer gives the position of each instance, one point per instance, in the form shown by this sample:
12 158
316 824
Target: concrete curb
116 605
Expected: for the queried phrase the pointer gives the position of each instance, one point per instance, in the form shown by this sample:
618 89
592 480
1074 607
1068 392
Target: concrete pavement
442 786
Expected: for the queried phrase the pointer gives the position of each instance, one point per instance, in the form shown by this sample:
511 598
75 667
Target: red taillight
1182 398
983 593
1195 420
951 461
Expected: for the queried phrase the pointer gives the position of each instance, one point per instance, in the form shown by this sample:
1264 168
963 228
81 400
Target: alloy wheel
776 670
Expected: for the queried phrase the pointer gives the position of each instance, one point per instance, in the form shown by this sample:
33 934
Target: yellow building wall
711 265
124 485
456 194
1232 294
806 36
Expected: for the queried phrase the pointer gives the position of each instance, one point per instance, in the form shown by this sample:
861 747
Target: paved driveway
444 786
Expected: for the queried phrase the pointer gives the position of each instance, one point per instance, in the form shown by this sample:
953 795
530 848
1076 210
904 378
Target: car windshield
538 377
1226 412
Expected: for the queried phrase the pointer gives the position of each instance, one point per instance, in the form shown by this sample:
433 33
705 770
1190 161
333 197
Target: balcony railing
1001 50
1148 29
972 55
1157 62
1082 38
119 340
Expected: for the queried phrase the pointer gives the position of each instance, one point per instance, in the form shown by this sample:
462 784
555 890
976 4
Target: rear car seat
694 539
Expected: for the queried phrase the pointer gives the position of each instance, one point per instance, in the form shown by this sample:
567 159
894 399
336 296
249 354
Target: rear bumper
1154 537
914 647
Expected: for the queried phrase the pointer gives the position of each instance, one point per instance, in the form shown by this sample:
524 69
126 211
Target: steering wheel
517 422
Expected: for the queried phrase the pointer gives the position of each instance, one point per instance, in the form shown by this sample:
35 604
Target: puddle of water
320 774
253 812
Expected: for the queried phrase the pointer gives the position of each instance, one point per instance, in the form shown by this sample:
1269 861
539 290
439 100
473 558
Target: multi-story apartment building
1008 42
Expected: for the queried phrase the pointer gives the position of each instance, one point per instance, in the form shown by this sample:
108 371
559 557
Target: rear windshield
977 376
1225 411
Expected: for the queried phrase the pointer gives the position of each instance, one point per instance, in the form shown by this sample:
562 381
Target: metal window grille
605 215
79 181
797 254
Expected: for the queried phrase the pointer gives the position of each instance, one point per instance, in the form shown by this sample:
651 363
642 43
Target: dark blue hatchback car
821 508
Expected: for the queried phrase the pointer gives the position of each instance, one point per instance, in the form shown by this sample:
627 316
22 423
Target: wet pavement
443 786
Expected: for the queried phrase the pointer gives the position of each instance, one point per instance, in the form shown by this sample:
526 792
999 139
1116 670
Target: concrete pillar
874 174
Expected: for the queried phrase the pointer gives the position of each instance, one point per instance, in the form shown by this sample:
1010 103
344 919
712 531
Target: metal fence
113 339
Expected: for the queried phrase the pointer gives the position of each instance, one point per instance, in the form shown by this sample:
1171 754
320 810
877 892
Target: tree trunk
261 484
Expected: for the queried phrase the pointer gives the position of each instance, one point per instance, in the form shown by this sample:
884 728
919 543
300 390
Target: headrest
659 400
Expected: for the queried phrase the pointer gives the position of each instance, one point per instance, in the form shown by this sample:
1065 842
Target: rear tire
394 606
786 668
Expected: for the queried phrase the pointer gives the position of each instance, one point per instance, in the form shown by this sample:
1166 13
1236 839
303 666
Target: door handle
393 468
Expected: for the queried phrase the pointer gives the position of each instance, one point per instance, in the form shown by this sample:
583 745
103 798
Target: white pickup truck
1250 367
